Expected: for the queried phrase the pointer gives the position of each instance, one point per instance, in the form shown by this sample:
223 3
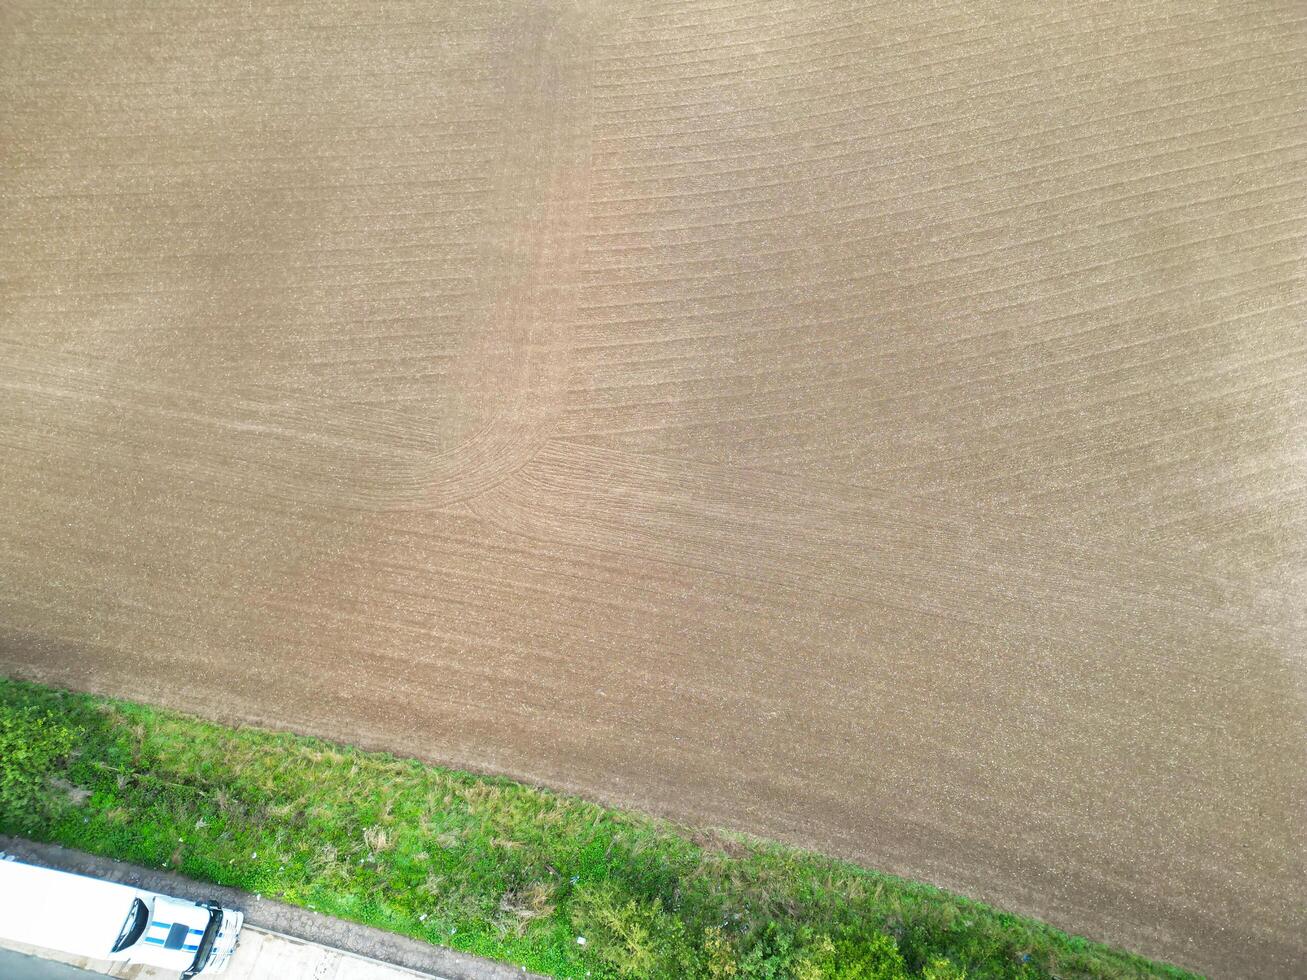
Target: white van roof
62 911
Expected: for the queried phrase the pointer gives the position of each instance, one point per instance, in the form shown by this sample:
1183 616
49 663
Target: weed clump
34 744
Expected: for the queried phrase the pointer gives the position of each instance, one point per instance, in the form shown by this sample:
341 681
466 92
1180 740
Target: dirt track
879 426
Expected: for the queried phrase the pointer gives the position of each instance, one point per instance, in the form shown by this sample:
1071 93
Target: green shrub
943 970
777 954
718 955
874 958
33 745
877 958
636 939
773 953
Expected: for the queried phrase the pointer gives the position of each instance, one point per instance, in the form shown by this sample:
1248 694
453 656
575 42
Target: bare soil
876 426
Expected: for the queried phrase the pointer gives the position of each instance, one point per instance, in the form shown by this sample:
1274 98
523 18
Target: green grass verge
487 865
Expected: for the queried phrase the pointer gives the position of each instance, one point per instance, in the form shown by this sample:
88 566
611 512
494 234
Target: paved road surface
23 966
879 426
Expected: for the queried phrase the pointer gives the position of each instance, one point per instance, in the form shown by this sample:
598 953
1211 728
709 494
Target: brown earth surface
879 426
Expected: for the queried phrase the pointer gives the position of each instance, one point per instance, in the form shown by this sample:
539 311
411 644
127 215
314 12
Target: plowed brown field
881 426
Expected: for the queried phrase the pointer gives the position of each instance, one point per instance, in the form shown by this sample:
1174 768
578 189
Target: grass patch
490 866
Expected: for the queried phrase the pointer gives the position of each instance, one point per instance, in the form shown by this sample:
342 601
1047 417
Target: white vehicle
106 921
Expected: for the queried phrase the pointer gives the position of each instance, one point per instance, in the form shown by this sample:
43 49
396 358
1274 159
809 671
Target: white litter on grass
580 940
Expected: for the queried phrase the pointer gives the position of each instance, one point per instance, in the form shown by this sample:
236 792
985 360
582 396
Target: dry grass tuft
519 906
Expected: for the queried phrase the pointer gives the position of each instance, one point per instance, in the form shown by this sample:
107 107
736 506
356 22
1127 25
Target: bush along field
486 865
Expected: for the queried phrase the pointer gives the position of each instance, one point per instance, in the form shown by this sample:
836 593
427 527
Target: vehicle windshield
134 927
